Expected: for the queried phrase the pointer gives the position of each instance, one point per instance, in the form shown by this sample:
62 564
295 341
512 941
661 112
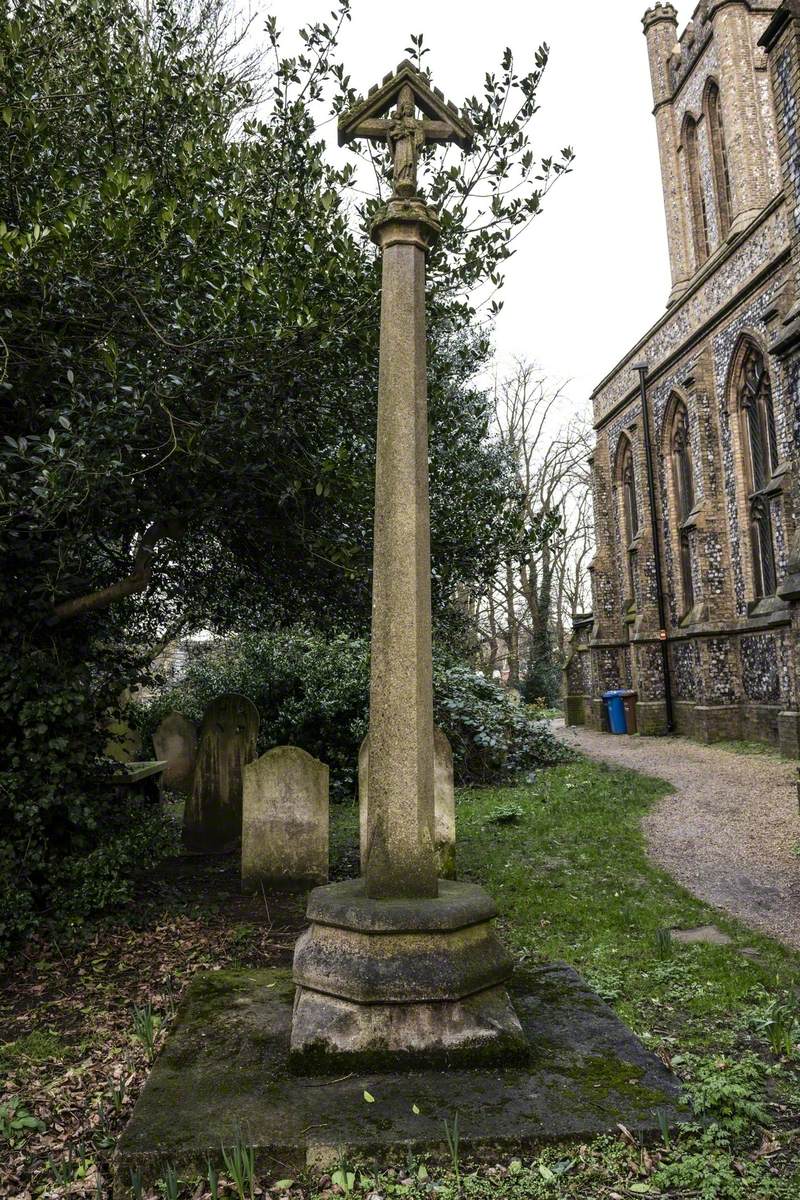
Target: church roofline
700 279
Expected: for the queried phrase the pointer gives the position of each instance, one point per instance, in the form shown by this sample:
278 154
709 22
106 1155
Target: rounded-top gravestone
212 822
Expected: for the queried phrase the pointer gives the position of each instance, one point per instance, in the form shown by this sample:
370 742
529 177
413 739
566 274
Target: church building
696 581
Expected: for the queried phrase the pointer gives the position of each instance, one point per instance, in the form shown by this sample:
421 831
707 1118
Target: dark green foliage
542 680
54 786
312 690
136 837
493 738
188 367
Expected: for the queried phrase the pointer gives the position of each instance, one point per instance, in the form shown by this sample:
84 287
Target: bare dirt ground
730 832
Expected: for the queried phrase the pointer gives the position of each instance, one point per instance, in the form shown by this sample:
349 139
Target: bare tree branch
544 583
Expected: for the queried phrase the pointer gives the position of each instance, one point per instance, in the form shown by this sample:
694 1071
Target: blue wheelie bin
616 711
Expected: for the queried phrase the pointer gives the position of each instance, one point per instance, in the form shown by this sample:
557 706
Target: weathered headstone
444 804
124 743
285 820
212 820
175 741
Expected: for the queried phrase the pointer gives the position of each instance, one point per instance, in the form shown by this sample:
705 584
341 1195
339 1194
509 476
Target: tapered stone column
401 855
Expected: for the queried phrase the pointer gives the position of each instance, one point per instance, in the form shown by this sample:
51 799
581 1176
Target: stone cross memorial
400 963
399 973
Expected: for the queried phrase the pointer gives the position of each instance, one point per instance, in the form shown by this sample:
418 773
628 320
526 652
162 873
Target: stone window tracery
754 395
719 154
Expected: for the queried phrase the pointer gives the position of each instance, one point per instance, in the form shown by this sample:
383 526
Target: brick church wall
734 657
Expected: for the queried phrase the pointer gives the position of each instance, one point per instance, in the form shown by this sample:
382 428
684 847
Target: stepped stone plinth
412 981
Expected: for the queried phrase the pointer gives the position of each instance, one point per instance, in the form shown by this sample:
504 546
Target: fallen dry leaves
71 1064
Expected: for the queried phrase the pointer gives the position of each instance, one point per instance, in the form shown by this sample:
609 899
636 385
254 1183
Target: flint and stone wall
734 658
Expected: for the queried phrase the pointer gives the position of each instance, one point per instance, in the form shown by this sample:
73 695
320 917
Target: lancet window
630 506
696 196
719 155
683 486
754 395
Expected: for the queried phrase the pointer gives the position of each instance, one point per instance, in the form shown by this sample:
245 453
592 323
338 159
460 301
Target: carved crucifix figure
403 131
406 136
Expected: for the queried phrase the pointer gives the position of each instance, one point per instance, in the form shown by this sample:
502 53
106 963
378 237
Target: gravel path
728 832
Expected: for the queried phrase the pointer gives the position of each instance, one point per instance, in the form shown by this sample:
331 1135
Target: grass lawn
82 1015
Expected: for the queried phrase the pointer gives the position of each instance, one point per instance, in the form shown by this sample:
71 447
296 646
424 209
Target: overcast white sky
591 274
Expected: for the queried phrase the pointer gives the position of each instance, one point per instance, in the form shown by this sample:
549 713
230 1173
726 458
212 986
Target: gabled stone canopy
447 123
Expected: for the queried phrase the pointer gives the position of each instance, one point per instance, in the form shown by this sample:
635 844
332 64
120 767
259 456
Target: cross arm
439 131
376 130
372 130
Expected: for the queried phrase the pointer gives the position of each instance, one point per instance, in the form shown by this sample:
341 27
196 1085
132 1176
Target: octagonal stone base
394 983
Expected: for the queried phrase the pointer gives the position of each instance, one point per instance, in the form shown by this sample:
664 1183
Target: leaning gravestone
175 741
444 803
212 821
285 820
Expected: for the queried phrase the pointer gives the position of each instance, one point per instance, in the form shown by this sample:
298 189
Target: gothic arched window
682 463
755 399
719 154
630 507
628 477
683 483
696 196
754 396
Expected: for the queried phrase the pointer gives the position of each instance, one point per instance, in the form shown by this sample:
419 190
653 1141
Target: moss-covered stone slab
224 1075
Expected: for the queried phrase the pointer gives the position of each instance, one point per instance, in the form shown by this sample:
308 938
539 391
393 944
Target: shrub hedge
313 691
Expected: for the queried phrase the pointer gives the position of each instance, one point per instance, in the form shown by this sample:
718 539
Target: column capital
407 221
